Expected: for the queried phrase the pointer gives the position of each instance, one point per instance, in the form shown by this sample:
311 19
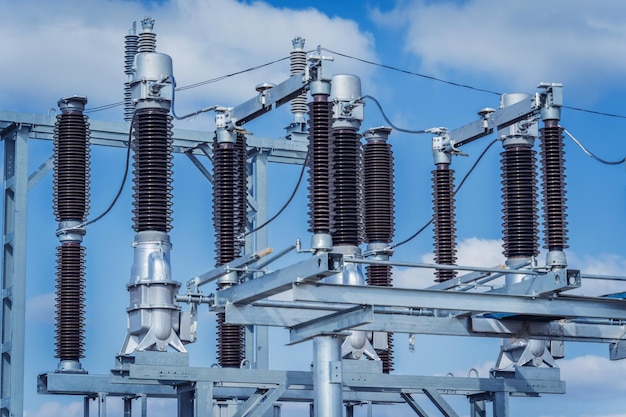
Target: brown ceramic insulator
519 193
70 302
71 167
241 195
553 176
230 343
152 198
386 356
378 192
226 218
346 188
444 221
320 113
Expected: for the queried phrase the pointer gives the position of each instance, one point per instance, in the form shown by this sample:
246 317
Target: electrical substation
341 293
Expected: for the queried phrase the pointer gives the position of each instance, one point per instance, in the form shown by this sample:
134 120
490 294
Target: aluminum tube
327 385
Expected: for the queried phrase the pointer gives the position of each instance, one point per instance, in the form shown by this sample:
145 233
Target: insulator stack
444 220
320 114
378 190
229 219
71 174
147 38
241 147
519 191
131 46
152 198
346 191
553 175
225 200
71 207
70 302
379 216
297 59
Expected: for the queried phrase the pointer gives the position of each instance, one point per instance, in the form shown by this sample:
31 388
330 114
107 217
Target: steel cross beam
556 307
184 141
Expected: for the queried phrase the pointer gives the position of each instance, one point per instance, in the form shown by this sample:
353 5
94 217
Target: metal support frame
318 311
12 314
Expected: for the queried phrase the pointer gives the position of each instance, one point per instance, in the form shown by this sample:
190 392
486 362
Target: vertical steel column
327 377
259 350
12 315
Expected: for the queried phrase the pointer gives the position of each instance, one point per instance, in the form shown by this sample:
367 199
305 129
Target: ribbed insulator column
147 38
71 207
553 176
346 188
241 146
152 198
70 302
320 113
229 199
131 46
444 220
378 190
297 60
519 192
379 217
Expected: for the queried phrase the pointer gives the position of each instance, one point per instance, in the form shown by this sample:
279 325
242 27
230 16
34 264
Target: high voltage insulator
444 220
297 59
71 206
225 200
229 218
152 200
131 46
147 38
378 191
70 302
553 170
319 164
519 191
345 191
71 153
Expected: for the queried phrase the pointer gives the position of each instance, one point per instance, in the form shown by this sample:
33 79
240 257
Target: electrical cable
455 84
293 194
589 153
222 77
399 129
121 188
104 107
600 113
417 74
480 157
206 109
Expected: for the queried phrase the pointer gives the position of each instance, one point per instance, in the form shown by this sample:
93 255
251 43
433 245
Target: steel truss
533 308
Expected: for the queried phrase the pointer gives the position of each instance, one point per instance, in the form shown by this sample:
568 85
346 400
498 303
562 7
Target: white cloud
518 43
67 49
593 376
472 251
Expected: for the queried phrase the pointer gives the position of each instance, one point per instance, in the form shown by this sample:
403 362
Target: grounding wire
293 194
589 153
399 129
458 188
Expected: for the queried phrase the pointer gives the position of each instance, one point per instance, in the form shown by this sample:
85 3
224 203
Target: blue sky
60 48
